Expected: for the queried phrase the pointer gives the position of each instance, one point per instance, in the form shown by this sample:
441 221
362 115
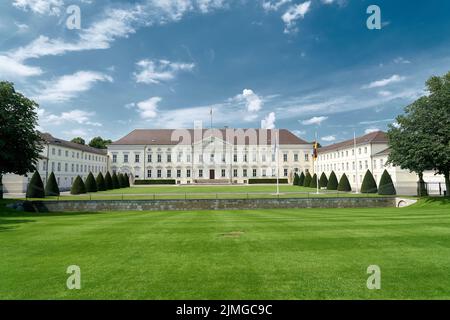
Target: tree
108 181
308 179
296 179
323 182
301 179
386 186
122 182
101 186
78 140
127 179
115 181
313 183
332 182
78 186
344 184
99 143
36 187
91 184
51 188
369 185
20 143
420 139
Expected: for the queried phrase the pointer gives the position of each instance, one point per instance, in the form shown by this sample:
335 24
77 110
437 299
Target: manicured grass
261 254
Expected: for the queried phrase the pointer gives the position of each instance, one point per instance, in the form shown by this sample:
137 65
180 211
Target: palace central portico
210 155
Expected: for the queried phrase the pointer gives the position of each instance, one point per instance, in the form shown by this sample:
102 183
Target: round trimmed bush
313 183
301 179
78 186
101 186
332 182
108 181
296 179
308 179
91 184
127 179
386 186
344 184
115 181
369 185
323 181
35 188
51 187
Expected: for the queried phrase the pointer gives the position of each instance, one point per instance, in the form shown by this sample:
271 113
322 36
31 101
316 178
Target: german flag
315 151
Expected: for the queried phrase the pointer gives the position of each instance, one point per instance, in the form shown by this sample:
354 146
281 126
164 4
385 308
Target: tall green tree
296 179
35 188
369 185
323 182
99 143
108 181
332 182
78 140
301 179
420 139
51 188
20 143
101 185
91 184
307 180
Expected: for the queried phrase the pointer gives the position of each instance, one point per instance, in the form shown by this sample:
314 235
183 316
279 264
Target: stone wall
204 204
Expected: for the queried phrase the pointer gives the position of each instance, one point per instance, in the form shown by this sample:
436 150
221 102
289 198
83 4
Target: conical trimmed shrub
78 186
101 186
344 184
308 179
122 182
127 179
313 183
108 181
51 187
296 179
301 179
323 182
369 185
36 187
386 186
115 181
332 182
91 184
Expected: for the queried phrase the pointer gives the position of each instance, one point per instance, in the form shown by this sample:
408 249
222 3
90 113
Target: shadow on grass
433 202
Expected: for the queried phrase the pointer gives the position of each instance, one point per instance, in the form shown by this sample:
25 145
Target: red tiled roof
374 137
164 136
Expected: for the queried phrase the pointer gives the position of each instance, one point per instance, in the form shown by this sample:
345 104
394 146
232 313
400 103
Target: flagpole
278 160
211 114
356 161
317 164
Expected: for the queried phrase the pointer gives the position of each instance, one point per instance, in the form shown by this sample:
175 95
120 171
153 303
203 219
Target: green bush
127 180
268 181
323 181
78 186
36 187
154 181
332 182
313 183
369 184
115 181
296 179
91 184
51 187
301 179
122 182
308 179
344 184
386 186
101 185
108 181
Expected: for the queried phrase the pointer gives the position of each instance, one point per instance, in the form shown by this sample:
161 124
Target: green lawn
264 254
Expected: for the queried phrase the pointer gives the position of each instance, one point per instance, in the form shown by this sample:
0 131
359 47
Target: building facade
210 156
371 153
65 159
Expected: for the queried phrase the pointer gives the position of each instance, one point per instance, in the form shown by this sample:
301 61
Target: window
136 158
67 153
235 173
235 158
285 172
264 172
53 167
296 157
149 173
158 173
223 173
359 150
178 173
245 173
188 158
381 163
211 157
366 164
78 169
365 149
180 156
66 167
53 151
200 173
285 157
200 158
374 164
73 167
306 157
169 158
159 158
59 166
188 173
169 173
353 165
223 158
360 165
149 158
273 157
125 158
254 172
114 160
246 158
263 157
346 153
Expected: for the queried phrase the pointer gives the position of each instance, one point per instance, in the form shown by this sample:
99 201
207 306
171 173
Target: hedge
51 188
91 184
296 179
36 187
268 181
115 181
313 183
108 181
101 185
332 182
307 180
154 181
323 181
344 184
386 185
369 184
301 179
78 186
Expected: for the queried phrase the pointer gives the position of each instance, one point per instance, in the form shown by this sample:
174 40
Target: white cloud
329 138
253 102
274 5
401 60
314 120
68 86
49 7
269 121
294 13
328 1
385 93
13 69
370 130
299 133
384 82
156 71
148 109
73 116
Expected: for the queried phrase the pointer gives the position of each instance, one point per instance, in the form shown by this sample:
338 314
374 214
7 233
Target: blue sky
302 65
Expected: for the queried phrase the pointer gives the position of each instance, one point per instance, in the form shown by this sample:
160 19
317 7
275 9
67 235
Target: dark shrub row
100 183
154 182
268 181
